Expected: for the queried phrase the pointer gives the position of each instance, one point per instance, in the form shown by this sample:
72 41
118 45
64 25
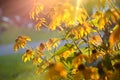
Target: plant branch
76 46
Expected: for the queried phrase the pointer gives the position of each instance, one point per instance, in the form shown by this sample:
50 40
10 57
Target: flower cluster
90 43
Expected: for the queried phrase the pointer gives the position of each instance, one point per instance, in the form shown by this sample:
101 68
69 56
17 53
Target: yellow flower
20 42
89 73
36 60
78 32
39 70
40 22
81 15
79 60
114 37
78 76
52 43
101 23
42 47
95 55
98 14
28 55
35 11
67 53
113 14
81 30
56 71
87 27
96 40
62 13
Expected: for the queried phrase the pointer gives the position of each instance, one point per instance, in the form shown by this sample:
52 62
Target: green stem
77 46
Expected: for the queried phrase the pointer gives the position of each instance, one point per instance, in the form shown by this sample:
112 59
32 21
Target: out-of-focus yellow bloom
116 74
52 43
35 11
89 73
20 42
40 23
78 76
114 37
82 30
109 75
56 71
87 27
29 54
78 32
102 20
96 40
95 56
36 60
66 53
39 70
39 52
81 15
42 47
79 60
62 13
113 14
101 23
98 14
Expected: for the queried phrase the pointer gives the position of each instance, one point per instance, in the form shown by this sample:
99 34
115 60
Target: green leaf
64 48
94 22
107 62
69 60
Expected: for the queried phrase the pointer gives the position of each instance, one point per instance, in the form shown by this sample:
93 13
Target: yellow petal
16 47
101 23
114 37
22 45
24 58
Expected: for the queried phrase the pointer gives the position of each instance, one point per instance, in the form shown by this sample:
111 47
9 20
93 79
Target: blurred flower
67 53
52 43
79 60
115 36
78 76
55 71
96 40
35 11
89 73
42 47
96 56
29 54
36 60
40 22
20 42
39 70
81 30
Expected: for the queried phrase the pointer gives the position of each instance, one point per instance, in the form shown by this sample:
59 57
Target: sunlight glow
78 2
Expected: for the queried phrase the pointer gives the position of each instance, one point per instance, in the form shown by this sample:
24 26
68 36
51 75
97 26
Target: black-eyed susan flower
114 75
114 37
52 43
67 53
55 71
29 54
79 60
36 60
42 47
40 22
89 73
20 42
36 10
96 40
